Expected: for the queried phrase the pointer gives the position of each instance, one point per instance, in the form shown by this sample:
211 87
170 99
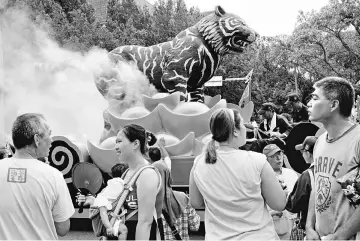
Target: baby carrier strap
128 187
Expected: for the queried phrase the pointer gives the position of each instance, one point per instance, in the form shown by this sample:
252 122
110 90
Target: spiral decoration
64 154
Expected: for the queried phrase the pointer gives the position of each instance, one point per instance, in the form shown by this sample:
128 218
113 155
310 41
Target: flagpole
2 84
250 86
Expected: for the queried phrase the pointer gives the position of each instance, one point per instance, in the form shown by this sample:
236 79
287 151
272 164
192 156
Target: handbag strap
127 189
175 232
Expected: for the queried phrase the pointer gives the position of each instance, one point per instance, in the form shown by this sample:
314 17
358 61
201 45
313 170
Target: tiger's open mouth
238 44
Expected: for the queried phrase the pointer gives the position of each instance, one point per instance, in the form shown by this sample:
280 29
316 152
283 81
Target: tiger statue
187 62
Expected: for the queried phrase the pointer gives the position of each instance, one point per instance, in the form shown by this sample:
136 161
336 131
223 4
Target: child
157 153
107 196
298 200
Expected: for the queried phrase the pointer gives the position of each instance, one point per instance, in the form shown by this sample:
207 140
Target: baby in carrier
104 201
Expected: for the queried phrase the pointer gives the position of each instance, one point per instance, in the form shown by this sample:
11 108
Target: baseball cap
292 97
309 141
267 106
271 149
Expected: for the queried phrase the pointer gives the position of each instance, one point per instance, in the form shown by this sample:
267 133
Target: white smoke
42 77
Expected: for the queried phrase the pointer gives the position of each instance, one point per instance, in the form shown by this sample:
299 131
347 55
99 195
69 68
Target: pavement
81 229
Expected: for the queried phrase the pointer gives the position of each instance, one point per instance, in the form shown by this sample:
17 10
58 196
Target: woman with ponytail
234 186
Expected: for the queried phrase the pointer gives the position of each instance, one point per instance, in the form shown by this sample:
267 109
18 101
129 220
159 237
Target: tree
327 42
164 20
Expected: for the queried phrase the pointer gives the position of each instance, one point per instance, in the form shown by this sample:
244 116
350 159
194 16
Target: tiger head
226 32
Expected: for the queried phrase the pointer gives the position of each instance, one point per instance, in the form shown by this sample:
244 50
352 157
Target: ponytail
210 152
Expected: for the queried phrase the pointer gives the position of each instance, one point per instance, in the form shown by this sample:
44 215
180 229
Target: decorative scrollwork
64 154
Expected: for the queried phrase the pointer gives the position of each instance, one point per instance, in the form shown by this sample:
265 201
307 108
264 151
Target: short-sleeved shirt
298 200
35 195
332 160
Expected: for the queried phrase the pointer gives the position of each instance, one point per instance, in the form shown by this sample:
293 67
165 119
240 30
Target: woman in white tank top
233 185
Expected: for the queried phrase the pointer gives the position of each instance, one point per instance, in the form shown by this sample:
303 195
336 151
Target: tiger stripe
188 61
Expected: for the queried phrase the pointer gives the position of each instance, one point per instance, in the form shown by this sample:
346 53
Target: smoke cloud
42 77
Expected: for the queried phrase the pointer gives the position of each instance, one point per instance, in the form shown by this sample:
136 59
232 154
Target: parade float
183 125
176 110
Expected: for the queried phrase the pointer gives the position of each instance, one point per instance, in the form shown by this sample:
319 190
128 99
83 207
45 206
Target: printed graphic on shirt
327 165
323 198
325 168
131 202
17 175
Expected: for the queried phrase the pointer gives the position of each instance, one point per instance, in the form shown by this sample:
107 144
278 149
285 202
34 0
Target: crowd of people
246 195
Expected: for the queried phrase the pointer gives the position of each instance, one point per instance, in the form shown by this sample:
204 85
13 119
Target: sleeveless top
131 204
234 206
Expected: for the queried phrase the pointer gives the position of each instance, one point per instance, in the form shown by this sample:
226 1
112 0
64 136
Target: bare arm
196 199
147 185
271 189
104 217
350 228
311 234
63 208
105 220
164 154
163 151
62 228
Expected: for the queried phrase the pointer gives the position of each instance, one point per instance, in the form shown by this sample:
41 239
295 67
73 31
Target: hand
286 190
274 213
275 134
311 234
282 182
86 200
329 237
109 232
162 141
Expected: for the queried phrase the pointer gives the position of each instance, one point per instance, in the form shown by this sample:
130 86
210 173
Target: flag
248 76
246 96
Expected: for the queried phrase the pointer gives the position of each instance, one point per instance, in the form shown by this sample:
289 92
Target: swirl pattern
64 154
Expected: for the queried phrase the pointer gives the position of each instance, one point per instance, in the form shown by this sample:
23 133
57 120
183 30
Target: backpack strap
174 231
159 187
128 187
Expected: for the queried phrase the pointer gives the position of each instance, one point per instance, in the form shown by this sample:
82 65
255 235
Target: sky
267 17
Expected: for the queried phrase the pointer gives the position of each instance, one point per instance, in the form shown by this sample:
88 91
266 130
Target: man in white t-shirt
283 221
36 203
